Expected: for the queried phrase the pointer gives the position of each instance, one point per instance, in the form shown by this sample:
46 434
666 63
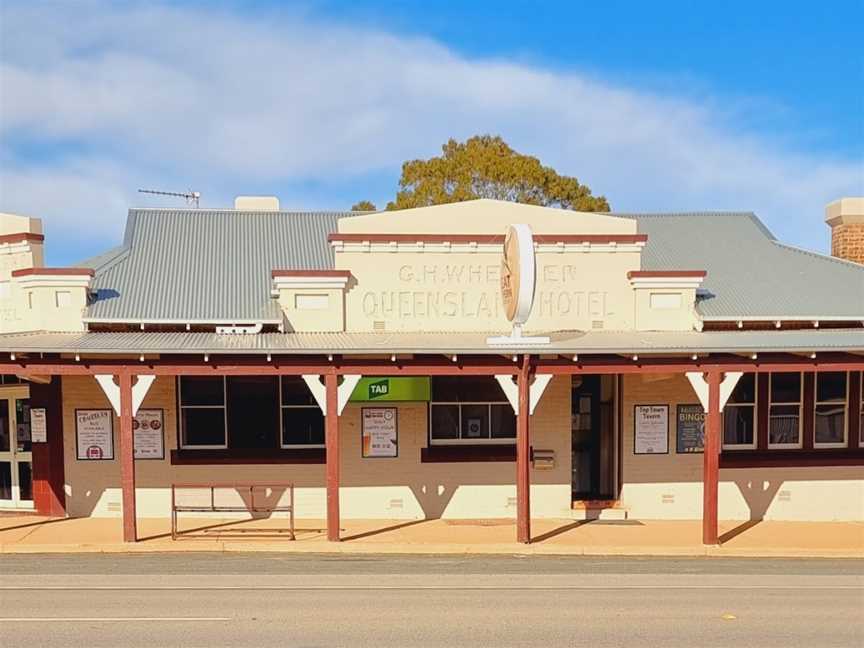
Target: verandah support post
331 439
711 458
127 459
523 458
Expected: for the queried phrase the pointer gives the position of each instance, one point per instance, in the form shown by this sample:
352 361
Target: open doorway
593 439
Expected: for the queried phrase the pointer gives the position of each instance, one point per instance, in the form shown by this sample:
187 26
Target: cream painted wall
398 488
670 486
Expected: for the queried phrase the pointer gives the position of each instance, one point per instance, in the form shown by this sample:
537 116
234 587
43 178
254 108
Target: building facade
694 367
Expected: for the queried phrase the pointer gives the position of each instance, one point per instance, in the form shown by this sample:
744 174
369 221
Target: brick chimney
845 217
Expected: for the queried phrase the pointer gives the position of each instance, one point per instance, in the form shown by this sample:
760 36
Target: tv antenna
192 197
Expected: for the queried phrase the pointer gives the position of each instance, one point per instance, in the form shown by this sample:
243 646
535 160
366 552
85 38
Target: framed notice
651 429
94 434
380 432
38 425
148 431
690 429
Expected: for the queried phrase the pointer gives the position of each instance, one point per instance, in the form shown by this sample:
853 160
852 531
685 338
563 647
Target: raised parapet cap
666 278
845 211
18 224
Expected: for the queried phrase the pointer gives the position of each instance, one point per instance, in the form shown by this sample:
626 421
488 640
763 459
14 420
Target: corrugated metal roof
206 265
564 342
751 275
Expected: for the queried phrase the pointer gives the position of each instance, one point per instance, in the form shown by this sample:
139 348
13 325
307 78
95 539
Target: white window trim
459 440
755 405
817 402
223 407
800 404
295 446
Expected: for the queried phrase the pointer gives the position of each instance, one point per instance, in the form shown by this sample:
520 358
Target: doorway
593 445
16 458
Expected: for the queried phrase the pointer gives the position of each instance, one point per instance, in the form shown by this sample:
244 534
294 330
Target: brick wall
847 241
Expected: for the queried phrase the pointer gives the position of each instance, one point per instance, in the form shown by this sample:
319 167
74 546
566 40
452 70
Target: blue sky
658 106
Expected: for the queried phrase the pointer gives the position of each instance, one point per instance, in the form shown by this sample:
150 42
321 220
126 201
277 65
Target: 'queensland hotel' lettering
466 290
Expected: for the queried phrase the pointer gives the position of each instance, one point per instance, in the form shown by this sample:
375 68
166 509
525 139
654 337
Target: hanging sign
651 429
379 432
38 425
94 434
518 273
147 428
392 389
690 429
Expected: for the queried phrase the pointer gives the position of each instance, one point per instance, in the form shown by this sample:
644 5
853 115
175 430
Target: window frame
181 428
800 443
459 441
817 403
755 406
297 446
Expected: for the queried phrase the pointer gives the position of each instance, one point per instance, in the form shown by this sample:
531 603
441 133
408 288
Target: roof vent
256 203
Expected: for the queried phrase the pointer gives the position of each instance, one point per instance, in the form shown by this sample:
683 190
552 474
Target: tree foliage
485 166
364 205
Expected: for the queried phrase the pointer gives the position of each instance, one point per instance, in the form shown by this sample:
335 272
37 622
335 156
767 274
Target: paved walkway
34 534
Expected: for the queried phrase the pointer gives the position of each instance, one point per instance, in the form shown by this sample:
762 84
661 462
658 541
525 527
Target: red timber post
711 457
127 459
331 439
523 456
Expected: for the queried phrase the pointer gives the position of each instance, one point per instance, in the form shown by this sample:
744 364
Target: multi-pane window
830 411
302 419
203 423
470 410
739 415
784 413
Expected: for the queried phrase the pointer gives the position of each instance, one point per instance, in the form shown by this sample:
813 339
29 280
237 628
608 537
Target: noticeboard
148 429
380 432
94 434
38 425
690 429
651 429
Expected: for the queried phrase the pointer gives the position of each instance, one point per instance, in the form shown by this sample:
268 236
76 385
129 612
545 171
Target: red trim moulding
26 272
21 237
310 273
484 238
658 274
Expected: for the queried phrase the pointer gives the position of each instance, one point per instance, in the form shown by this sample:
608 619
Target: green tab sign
392 389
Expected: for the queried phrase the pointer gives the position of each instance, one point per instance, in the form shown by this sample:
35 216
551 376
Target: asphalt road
294 600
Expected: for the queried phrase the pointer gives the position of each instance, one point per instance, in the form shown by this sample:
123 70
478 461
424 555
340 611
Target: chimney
256 203
845 217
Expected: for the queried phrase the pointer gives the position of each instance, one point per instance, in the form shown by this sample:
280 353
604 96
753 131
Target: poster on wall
651 429
690 429
38 425
147 427
94 434
380 432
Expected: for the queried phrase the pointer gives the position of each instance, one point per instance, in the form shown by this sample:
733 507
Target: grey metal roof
564 342
203 265
751 275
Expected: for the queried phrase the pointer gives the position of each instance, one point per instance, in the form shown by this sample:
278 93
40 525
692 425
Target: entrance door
16 459
585 437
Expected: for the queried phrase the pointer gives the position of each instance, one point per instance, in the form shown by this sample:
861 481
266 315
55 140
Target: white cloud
227 100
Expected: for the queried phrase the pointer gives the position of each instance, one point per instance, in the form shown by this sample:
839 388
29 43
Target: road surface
294 600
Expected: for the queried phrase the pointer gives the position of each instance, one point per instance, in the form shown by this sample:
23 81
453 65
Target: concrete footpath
35 534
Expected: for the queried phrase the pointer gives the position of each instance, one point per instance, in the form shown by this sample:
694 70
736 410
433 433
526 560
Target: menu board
690 429
380 432
94 434
38 425
148 430
651 429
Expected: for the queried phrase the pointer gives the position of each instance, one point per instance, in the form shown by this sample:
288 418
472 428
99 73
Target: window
203 422
784 413
830 424
467 410
739 415
302 419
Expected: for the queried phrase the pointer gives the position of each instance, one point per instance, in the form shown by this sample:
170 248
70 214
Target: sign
690 429
379 432
651 429
38 425
94 434
147 428
392 389
518 273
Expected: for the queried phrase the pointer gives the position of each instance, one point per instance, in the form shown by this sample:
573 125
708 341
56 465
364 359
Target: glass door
16 458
